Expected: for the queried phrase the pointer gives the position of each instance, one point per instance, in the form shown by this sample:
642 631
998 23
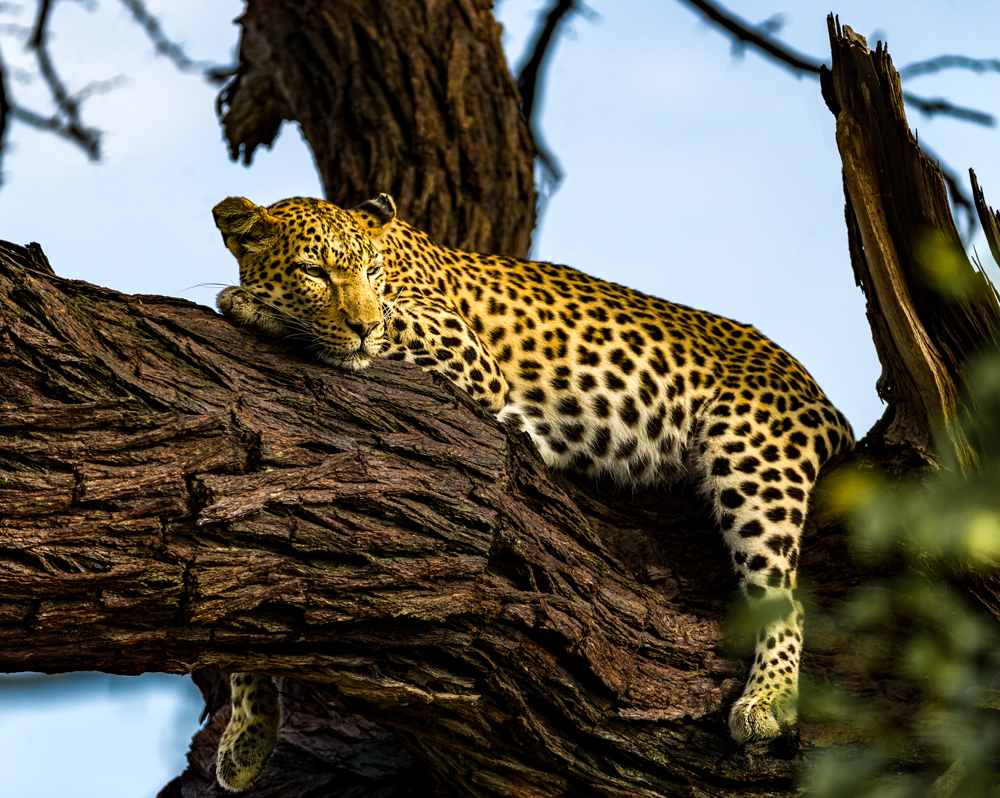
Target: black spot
730 498
613 381
770 453
720 468
776 514
809 419
757 563
752 529
625 450
734 447
572 432
628 412
535 395
793 476
771 494
748 465
602 407
749 488
599 444
569 406
819 444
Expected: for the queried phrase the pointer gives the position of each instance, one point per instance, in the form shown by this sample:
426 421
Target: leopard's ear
376 216
245 227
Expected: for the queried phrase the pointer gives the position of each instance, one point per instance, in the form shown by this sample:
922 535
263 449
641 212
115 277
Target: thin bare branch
942 62
100 87
941 106
40 27
758 36
66 122
213 72
4 111
528 82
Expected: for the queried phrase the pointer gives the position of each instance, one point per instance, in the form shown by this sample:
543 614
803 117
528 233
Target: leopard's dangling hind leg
252 731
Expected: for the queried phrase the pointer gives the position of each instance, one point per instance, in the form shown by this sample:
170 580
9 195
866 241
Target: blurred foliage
937 535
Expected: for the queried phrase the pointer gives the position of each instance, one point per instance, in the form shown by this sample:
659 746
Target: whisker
205 285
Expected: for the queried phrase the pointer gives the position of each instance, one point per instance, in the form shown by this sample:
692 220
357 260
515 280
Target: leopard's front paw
243 308
227 296
762 716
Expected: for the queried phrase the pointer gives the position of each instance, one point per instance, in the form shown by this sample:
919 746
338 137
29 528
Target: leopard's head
312 268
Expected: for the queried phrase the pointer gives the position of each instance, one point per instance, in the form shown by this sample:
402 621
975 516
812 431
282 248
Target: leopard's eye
374 271
314 271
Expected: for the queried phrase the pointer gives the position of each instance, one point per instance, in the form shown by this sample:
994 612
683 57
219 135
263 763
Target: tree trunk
171 504
411 97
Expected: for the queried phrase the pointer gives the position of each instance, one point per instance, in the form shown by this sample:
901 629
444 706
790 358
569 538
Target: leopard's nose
362 328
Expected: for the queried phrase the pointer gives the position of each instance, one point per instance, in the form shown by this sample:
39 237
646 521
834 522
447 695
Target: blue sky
694 174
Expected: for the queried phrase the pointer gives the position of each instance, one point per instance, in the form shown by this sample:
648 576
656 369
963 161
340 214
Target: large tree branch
172 504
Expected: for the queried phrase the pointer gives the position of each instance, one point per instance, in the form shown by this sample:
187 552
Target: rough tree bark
170 503
411 97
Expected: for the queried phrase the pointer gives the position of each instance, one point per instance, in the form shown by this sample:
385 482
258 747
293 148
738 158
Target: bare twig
4 111
214 73
528 81
941 62
945 108
66 121
758 36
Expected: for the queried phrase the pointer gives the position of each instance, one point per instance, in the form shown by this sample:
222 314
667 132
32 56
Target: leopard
609 383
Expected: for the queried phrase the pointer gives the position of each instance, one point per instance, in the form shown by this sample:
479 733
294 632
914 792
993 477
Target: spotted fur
608 382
